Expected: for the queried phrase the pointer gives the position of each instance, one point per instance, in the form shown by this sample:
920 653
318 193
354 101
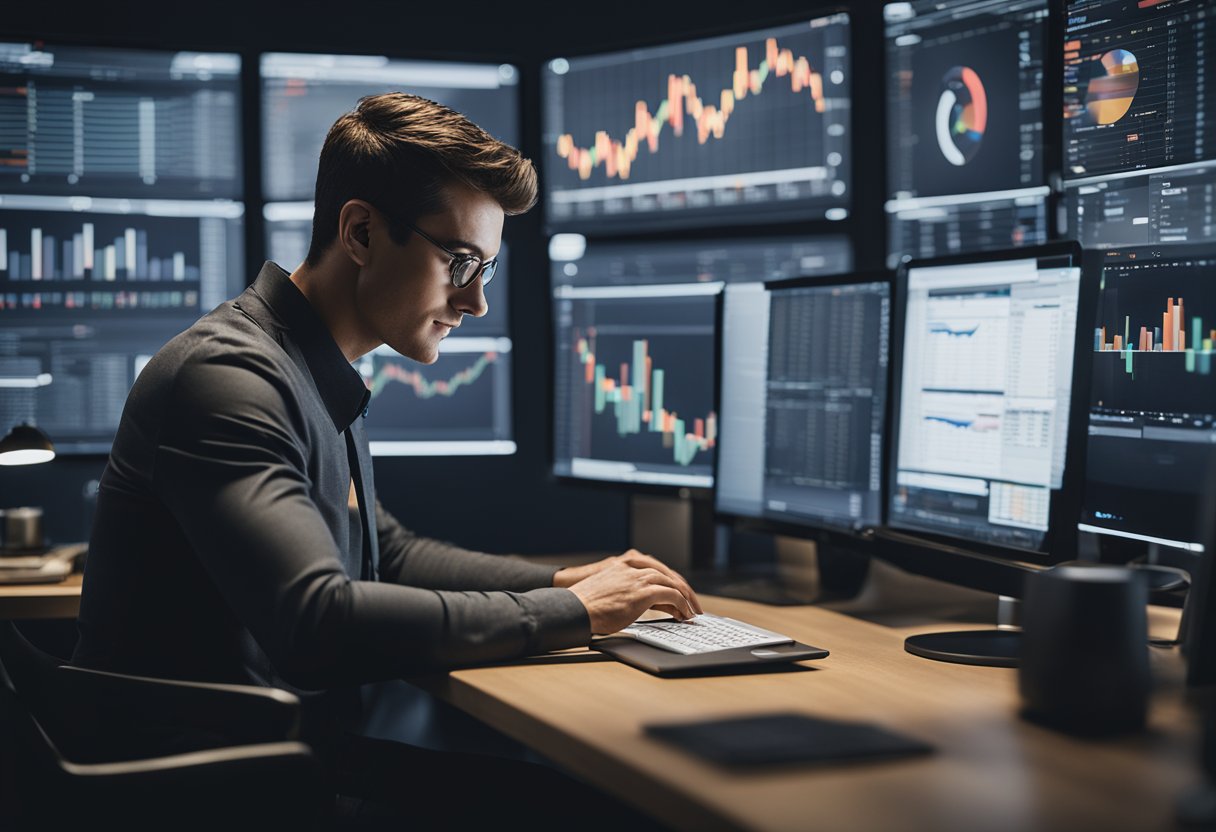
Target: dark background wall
498 504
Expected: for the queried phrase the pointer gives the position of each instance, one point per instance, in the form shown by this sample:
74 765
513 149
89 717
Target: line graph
465 396
424 388
683 102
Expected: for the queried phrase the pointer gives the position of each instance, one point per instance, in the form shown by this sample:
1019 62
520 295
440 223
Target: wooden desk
25 601
992 770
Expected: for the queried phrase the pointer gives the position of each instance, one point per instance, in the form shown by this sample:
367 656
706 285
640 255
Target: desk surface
991 771
24 601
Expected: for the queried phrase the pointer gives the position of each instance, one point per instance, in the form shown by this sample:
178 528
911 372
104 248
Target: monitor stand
680 531
988 648
1002 647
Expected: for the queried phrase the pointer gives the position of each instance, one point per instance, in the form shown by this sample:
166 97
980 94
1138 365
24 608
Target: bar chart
114 251
1170 337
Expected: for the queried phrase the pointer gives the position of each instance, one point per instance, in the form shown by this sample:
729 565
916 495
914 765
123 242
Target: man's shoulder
226 335
225 350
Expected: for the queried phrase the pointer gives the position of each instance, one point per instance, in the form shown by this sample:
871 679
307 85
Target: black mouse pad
785 738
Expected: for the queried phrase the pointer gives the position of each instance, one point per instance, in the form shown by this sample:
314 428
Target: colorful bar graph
617 155
1171 336
637 401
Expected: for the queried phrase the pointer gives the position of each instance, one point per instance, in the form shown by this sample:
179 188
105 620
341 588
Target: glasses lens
487 272
462 272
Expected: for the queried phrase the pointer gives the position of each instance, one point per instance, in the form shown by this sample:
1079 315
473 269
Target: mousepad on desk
662 662
784 738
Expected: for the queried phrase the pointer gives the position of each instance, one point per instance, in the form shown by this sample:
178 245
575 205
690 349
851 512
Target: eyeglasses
465 268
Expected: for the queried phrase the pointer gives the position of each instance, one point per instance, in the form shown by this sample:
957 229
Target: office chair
80 745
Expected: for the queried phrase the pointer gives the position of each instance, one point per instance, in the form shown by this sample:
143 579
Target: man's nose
471 300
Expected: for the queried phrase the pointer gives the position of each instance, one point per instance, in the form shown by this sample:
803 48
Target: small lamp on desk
24 445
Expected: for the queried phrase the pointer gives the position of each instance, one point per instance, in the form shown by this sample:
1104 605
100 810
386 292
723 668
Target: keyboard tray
662 662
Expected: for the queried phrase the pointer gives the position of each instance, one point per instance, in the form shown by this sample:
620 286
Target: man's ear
354 221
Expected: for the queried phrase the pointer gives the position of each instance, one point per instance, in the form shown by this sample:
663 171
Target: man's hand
618 589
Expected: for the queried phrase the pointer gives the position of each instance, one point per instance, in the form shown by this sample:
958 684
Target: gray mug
1084 666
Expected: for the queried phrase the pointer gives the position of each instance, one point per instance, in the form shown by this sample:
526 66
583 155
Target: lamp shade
25 445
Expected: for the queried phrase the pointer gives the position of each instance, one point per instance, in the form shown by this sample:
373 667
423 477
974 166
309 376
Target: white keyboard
703 634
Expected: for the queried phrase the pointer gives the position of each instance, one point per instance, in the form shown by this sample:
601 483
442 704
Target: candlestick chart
754 121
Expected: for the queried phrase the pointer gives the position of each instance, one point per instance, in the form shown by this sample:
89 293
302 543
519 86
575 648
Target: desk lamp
24 445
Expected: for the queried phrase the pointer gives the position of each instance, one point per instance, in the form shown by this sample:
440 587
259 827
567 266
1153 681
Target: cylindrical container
22 528
1084 666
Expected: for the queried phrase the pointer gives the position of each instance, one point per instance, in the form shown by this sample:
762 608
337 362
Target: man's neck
330 287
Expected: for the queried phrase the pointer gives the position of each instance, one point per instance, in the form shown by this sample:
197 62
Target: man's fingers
676 582
642 561
671 599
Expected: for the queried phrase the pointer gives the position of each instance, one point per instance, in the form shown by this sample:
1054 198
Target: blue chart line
943 329
954 423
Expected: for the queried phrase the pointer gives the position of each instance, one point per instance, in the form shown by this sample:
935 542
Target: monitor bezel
1060 542
646 224
789 527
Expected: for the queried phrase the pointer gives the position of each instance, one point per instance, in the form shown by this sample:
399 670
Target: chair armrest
142 717
279 785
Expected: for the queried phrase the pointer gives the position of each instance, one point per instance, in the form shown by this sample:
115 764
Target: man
237 535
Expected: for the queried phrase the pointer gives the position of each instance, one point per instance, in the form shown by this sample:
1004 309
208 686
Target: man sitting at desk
237 534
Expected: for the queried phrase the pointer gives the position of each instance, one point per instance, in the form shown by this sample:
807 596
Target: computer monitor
1136 85
965 111
1164 207
462 403
749 127
120 222
634 369
990 373
1152 408
303 94
803 399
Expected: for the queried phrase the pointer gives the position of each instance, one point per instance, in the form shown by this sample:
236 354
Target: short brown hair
398 152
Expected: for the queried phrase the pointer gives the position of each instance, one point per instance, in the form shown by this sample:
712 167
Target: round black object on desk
988 648
1084 666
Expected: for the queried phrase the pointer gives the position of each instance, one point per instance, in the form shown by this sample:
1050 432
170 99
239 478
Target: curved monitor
803 396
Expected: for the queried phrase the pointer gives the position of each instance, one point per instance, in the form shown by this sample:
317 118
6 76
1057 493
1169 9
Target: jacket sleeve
406 558
231 466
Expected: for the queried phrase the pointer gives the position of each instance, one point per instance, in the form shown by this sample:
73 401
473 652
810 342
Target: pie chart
1112 86
962 115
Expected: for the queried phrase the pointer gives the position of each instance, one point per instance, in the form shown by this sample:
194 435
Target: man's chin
422 353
